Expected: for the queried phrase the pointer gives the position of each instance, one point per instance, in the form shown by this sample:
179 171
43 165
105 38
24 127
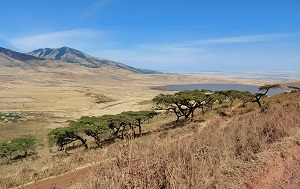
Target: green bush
17 147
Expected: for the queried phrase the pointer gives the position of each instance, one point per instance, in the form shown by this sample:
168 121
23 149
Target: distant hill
10 58
74 56
18 56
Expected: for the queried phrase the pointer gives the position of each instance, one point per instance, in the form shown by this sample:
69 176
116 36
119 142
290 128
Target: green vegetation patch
100 98
100 128
10 116
17 148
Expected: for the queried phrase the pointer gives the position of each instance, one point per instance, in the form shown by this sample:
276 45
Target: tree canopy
17 147
233 95
98 127
265 89
129 119
184 103
66 135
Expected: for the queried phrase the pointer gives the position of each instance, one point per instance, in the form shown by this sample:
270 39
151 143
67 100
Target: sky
162 35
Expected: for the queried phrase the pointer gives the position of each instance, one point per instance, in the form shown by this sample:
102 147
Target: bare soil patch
280 171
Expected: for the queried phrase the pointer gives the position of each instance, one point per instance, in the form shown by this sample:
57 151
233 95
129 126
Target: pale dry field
49 96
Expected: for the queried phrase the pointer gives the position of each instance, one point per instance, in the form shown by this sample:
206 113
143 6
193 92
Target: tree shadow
23 156
167 126
105 142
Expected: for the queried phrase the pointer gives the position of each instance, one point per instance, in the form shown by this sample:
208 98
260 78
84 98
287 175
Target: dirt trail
66 179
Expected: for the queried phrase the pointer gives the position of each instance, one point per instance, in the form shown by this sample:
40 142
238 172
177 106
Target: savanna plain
230 146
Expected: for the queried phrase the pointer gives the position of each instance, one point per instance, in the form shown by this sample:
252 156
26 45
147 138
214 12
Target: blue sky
177 35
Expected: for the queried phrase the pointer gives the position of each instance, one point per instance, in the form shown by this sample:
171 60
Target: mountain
10 58
18 56
74 56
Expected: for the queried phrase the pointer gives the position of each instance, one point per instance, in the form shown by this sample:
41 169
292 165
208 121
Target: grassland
211 152
221 152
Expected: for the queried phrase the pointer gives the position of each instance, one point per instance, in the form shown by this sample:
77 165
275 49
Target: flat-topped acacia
17 147
265 89
130 119
98 127
184 103
66 135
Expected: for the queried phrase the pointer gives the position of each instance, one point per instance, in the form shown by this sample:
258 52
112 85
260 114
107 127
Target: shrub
18 147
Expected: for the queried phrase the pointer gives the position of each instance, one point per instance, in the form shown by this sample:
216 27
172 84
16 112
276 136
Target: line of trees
184 103
100 128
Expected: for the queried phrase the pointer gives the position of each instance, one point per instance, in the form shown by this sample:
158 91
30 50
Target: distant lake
219 87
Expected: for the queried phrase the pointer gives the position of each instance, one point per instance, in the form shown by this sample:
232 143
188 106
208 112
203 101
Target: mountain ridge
74 56
18 56
44 56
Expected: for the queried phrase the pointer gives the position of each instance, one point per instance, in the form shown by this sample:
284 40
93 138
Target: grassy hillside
215 151
225 153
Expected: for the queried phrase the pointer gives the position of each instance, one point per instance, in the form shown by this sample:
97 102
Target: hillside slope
74 56
60 57
247 150
18 55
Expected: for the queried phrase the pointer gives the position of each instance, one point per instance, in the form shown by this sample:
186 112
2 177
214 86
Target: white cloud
208 54
158 56
217 53
238 39
73 38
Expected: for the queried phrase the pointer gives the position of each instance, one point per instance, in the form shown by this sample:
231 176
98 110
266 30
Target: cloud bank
79 38
250 52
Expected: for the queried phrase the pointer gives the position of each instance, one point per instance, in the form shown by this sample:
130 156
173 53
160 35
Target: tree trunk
258 102
140 128
83 141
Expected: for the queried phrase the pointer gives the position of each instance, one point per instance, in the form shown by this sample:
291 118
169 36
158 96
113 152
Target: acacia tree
98 127
233 95
115 123
17 147
92 126
207 101
130 119
184 103
230 95
246 96
7 150
135 119
66 135
24 144
265 89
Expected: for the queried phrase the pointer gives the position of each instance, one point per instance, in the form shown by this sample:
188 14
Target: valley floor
47 97
51 96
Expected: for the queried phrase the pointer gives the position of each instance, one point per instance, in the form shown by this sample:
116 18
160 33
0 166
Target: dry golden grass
209 154
215 153
172 155
217 157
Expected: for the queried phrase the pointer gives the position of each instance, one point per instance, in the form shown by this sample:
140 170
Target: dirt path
64 180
